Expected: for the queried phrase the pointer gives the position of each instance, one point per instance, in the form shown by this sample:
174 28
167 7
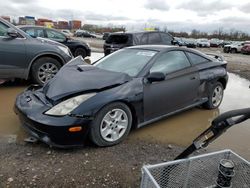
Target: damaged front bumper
54 131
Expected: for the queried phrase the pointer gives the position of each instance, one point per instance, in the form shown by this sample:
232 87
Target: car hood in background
78 76
48 41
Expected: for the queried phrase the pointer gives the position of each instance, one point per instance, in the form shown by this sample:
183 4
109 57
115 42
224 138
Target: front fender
130 93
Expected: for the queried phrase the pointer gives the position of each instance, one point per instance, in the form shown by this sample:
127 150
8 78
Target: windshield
129 61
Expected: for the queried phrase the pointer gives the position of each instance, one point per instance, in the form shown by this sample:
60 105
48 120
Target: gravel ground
37 165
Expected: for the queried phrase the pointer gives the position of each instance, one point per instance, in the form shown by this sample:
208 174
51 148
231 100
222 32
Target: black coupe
129 88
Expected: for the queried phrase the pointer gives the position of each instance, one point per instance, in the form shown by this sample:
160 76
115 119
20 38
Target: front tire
215 96
44 69
111 125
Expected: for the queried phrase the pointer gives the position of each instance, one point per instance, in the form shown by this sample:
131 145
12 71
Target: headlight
69 105
65 50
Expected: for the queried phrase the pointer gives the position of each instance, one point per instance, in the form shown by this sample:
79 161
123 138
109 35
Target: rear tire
215 96
233 51
44 69
80 52
111 125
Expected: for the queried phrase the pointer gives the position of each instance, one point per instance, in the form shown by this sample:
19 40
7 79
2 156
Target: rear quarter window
197 59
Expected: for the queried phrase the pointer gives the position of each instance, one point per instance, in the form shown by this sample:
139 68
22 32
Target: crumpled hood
78 76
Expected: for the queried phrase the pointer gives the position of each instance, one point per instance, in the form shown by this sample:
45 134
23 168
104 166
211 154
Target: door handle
193 78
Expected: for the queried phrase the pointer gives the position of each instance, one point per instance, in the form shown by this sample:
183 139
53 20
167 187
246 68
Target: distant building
44 22
7 18
75 24
30 20
62 25
55 25
27 20
21 21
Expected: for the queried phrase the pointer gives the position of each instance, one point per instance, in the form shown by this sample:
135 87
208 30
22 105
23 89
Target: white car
233 48
203 43
67 33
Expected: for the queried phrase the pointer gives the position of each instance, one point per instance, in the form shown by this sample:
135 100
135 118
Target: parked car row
35 52
76 47
237 47
202 42
23 56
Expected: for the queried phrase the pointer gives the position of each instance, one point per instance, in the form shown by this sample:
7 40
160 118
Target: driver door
12 54
178 90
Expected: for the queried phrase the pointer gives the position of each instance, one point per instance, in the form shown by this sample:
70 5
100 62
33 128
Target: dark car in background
76 47
132 87
105 35
84 33
116 41
22 56
189 42
214 42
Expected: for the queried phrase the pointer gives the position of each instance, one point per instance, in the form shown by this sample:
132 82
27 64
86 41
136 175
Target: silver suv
22 56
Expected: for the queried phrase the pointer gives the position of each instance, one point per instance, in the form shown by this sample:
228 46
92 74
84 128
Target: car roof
162 48
42 27
137 32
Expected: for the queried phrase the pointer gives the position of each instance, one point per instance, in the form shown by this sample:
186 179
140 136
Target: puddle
179 129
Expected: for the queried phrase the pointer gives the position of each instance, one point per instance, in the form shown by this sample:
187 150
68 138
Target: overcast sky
206 15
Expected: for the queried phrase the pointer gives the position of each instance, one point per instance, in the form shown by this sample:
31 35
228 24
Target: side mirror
156 77
12 33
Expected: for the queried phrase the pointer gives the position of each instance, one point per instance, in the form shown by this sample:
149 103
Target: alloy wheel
114 124
47 71
217 96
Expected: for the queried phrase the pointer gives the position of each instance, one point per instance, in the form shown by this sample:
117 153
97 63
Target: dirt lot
37 165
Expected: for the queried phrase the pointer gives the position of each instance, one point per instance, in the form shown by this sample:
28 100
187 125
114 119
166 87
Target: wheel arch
51 55
81 47
223 81
131 108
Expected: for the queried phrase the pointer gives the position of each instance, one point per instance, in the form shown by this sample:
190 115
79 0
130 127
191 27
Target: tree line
233 34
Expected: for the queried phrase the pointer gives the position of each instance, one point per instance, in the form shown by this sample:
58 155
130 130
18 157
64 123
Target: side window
166 39
53 35
40 33
30 32
144 39
196 59
3 29
170 62
154 38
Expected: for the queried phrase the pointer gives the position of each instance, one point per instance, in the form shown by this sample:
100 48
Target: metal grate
198 171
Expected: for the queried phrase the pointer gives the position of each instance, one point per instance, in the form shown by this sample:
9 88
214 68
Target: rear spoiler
216 56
